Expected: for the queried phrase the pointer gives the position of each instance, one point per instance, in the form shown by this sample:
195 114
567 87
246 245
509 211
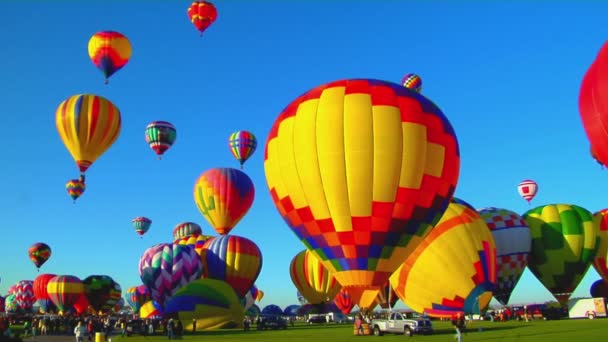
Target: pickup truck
397 323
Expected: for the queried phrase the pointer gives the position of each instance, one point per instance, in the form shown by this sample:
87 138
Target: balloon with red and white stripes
166 267
527 189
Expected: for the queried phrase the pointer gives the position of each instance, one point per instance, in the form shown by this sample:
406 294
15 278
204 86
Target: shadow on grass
451 331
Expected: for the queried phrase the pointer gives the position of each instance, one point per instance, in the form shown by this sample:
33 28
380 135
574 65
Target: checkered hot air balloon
141 225
186 229
233 259
39 253
413 82
75 188
160 135
196 240
202 14
513 244
564 243
315 282
361 170
453 270
600 262
223 196
527 189
109 51
65 291
165 267
242 144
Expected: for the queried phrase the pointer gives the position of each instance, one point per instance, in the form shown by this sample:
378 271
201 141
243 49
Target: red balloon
344 302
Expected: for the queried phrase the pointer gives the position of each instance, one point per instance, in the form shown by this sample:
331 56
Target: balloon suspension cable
73 201
201 34
159 157
242 167
106 81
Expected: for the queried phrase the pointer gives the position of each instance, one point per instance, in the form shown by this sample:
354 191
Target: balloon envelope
65 291
453 270
202 14
109 51
361 170
312 279
600 262
39 253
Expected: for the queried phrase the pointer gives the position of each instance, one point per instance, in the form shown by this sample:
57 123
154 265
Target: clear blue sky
507 75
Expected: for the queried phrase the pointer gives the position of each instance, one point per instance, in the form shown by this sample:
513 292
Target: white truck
587 308
397 323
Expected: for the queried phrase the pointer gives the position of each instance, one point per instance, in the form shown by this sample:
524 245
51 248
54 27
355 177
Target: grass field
554 331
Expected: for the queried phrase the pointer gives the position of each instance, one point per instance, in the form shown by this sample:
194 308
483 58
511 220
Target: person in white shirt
80 331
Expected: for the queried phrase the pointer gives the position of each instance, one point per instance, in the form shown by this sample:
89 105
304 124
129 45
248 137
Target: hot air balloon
81 306
109 51
141 225
344 302
600 262
197 241
593 103
160 135
102 292
11 305
24 294
242 145
137 296
65 291
513 243
223 196
361 170
527 189
39 253
233 259
599 288
463 202
312 279
186 229
150 309
413 82
88 125
564 243
75 188
594 156
165 267
202 14
453 270
41 293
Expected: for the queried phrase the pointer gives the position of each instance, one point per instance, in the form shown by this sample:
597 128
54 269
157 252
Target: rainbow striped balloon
64 291
242 145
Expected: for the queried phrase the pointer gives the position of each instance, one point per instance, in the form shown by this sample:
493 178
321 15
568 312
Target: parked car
272 322
399 324
317 319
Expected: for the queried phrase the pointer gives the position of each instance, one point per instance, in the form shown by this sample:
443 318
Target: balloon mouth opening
478 300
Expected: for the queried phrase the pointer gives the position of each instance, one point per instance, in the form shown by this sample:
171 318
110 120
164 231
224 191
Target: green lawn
554 331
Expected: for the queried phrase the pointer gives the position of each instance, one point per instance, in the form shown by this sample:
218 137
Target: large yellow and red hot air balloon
202 14
109 51
600 262
88 125
361 170
223 196
312 279
453 270
65 291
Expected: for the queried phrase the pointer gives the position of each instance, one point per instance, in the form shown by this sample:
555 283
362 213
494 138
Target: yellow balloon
88 125
453 270
315 282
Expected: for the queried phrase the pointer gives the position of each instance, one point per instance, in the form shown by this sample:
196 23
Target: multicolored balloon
160 135
233 259
312 279
242 145
40 291
88 125
462 202
109 51
102 292
39 253
527 189
453 270
165 267
344 302
64 291
600 262
75 187
211 302
137 296
150 309
202 14
361 170
141 225
186 229
413 82
513 243
11 305
564 243
24 294
197 241
223 196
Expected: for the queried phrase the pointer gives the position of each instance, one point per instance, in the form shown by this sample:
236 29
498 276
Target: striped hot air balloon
242 144
64 291
160 135
527 189
312 279
109 51
141 225
165 267
75 187
361 170
413 82
197 241
186 229
233 259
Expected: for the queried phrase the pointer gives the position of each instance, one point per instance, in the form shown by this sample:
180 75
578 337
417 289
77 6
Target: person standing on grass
80 331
